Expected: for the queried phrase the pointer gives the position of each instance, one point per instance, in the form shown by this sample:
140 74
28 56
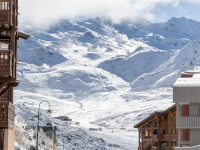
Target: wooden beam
142 140
5 90
5 41
138 139
5 83
158 126
3 79
170 133
15 84
8 87
173 114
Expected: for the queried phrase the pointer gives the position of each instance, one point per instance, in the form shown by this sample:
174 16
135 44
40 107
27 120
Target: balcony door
185 132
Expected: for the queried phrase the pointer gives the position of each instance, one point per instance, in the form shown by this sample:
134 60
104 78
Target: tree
44 141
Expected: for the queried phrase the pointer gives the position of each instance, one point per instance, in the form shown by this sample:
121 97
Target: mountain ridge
106 74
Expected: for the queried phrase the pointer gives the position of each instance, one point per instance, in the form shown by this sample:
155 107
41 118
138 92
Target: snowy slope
104 74
166 74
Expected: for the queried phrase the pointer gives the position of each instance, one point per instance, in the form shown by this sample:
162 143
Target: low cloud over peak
44 13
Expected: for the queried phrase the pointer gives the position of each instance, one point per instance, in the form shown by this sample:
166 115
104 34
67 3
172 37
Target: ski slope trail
103 74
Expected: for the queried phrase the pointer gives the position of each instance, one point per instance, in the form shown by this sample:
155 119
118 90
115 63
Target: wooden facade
9 36
158 131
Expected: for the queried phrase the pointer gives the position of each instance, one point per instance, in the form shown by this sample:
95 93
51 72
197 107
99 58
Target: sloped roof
154 114
187 82
47 128
23 35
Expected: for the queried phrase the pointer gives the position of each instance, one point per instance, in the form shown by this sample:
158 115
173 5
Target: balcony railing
162 148
167 137
6 11
187 122
6 114
163 137
6 63
188 148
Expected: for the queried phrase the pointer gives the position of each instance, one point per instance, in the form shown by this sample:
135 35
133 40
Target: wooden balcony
157 137
6 115
187 122
6 63
174 137
6 12
166 137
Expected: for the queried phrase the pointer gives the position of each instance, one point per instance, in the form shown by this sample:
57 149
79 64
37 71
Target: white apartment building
186 95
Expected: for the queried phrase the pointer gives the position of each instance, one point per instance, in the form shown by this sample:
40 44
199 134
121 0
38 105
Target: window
164 131
4 46
155 132
172 119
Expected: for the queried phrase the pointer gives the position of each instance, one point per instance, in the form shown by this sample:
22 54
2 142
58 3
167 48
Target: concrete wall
186 94
194 137
194 109
194 133
9 139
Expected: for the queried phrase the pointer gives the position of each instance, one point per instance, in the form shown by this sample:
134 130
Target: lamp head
49 111
49 114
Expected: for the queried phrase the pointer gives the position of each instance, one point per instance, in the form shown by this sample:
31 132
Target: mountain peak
183 20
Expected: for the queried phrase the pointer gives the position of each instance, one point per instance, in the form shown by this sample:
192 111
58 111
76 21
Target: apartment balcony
6 115
187 122
188 148
6 63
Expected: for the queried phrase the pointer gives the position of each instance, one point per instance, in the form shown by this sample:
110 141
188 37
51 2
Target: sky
44 13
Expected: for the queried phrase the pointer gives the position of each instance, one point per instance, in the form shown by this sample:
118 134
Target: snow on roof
195 71
46 128
184 82
23 35
173 107
191 72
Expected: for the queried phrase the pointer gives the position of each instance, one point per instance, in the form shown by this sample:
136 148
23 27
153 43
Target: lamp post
49 111
63 142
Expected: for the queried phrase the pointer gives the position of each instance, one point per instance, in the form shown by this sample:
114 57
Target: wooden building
158 131
9 36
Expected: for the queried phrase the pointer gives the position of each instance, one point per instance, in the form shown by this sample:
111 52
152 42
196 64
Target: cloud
43 13
192 1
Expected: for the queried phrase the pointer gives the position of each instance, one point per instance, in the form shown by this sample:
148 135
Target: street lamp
49 111
63 142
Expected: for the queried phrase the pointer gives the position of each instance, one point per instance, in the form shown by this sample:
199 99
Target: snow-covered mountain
106 74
